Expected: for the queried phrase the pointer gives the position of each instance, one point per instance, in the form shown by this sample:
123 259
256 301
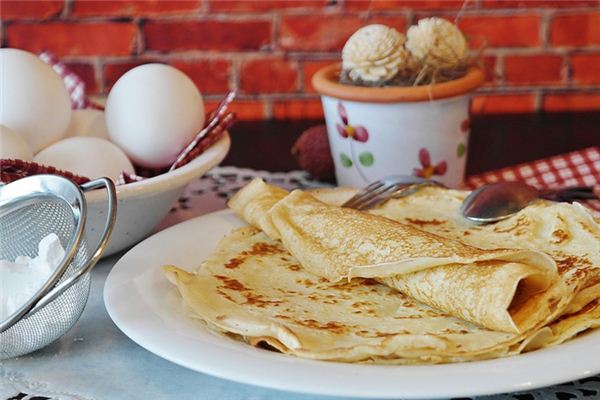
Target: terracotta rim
326 82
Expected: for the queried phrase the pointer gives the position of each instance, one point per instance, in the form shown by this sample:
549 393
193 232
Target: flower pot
380 131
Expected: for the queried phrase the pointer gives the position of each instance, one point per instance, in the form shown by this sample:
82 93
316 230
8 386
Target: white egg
152 113
13 145
87 122
91 157
33 101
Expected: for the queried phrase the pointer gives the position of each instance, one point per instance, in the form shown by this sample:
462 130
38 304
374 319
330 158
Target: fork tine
373 185
359 196
369 188
369 195
379 191
379 198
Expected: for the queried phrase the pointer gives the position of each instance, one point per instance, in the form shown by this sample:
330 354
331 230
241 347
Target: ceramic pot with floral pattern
379 131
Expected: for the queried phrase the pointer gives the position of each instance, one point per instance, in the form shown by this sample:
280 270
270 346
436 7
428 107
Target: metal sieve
30 209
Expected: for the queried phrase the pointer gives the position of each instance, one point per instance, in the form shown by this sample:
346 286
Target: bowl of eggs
151 114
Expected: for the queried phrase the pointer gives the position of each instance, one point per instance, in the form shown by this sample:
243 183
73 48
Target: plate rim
499 385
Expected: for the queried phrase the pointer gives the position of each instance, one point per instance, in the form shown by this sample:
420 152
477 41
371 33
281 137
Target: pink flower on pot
428 170
358 133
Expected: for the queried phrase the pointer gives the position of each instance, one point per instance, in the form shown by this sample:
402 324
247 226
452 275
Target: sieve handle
111 206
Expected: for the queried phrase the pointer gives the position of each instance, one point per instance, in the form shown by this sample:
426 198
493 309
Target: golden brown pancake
252 287
480 286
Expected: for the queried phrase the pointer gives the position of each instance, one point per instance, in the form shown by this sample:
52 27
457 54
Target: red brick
309 68
268 76
327 32
248 110
298 109
210 105
245 110
90 8
207 35
72 39
87 74
357 5
501 31
488 63
572 102
576 30
263 5
11 9
210 76
395 21
535 69
418 5
503 104
586 68
538 3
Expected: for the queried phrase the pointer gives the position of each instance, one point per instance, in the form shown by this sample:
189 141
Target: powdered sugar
21 278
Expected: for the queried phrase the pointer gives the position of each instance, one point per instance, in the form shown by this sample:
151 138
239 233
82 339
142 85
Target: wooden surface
496 140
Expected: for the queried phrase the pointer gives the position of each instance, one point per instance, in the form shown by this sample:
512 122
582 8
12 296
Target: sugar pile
21 278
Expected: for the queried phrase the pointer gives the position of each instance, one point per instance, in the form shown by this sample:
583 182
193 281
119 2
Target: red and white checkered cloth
578 168
74 84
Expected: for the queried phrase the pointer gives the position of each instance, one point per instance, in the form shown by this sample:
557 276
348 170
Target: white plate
147 309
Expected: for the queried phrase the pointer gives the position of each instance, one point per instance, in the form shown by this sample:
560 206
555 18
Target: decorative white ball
152 113
87 122
375 53
33 101
437 43
12 145
91 157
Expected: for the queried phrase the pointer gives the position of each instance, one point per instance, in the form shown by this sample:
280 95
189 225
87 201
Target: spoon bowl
497 201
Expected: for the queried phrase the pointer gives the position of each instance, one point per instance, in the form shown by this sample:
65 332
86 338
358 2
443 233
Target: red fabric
11 170
74 84
578 168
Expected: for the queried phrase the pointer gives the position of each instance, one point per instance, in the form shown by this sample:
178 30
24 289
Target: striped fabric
74 84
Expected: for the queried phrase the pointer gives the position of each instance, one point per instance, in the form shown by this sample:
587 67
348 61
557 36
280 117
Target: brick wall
539 55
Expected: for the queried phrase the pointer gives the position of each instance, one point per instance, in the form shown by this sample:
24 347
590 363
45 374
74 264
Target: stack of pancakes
408 282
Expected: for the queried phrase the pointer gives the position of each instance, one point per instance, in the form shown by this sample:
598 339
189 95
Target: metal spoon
498 201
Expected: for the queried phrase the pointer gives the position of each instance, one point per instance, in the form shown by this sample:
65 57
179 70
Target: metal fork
394 186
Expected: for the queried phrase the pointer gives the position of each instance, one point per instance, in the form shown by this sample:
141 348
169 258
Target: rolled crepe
251 286
484 287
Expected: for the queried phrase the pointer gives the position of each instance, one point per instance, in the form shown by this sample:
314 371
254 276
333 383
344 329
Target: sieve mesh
21 231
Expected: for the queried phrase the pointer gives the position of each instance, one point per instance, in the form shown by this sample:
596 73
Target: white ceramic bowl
142 205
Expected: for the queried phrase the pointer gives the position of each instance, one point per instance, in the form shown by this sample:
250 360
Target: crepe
251 286
566 232
480 286
254 290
